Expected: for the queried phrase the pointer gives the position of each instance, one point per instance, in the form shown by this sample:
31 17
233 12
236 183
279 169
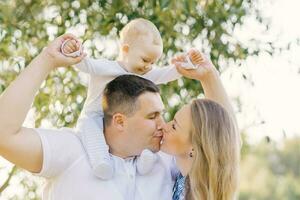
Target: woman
204 139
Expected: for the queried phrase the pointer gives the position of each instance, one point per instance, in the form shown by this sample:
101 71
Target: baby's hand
204 66
54 55
186 60
180 58
71 46
196 57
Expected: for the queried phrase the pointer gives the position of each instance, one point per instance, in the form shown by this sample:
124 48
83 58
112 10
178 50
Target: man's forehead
151 102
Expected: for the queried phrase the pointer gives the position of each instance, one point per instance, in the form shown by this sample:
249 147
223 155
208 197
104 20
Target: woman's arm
209 78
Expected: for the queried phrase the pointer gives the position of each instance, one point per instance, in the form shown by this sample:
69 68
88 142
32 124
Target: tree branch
6 183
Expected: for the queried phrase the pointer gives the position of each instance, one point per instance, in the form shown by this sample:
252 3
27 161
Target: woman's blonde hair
214 173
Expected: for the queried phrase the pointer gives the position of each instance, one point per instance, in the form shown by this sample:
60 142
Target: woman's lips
162 140
163 137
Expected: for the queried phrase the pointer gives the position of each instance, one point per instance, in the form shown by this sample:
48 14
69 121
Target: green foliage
25 28
271 171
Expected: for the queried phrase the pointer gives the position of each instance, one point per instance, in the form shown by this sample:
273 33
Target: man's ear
118 121
125 48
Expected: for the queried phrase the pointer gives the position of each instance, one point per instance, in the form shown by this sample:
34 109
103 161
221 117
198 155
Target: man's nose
160 122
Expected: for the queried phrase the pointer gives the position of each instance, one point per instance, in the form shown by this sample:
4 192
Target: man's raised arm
19 145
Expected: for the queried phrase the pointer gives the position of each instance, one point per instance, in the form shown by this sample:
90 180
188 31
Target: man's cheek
150 124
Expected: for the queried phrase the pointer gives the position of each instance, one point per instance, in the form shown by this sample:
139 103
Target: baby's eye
145 60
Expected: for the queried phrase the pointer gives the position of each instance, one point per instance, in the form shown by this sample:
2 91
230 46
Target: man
133 122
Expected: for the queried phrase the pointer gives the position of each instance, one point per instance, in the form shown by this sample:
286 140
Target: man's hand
54 56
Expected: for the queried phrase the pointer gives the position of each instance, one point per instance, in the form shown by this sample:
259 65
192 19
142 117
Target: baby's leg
90 130
146 161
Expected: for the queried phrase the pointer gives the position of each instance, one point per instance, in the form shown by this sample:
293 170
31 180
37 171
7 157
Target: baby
140 46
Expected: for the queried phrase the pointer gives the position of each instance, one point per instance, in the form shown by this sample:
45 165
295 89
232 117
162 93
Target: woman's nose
166 127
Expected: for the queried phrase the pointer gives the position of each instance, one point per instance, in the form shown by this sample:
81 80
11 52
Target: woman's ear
192 153
118 121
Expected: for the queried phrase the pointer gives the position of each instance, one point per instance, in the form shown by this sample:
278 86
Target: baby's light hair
139 28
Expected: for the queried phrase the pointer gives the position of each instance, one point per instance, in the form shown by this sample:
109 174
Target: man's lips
160 135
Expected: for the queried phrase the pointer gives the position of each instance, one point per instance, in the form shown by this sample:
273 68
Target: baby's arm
170 73
100 67
163 75
73 48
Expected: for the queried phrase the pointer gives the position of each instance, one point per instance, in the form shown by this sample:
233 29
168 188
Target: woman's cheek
171 141
166 138
177 145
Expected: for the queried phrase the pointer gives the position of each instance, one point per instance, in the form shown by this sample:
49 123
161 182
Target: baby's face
142 55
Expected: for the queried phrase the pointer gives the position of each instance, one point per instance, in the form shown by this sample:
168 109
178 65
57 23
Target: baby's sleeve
100 67
92 66
163 75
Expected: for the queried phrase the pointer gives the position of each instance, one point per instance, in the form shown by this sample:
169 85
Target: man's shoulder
68 132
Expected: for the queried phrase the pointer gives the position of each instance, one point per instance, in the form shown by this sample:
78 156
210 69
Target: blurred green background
269 170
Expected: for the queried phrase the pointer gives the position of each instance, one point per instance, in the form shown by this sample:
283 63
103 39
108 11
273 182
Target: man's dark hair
120 95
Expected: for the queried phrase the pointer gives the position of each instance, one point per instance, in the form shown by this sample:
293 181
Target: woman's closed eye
173 126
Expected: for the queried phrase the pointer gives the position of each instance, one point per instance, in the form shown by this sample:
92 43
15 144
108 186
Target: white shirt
69 176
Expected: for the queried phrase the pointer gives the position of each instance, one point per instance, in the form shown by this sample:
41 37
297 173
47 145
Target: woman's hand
205 66
53 56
